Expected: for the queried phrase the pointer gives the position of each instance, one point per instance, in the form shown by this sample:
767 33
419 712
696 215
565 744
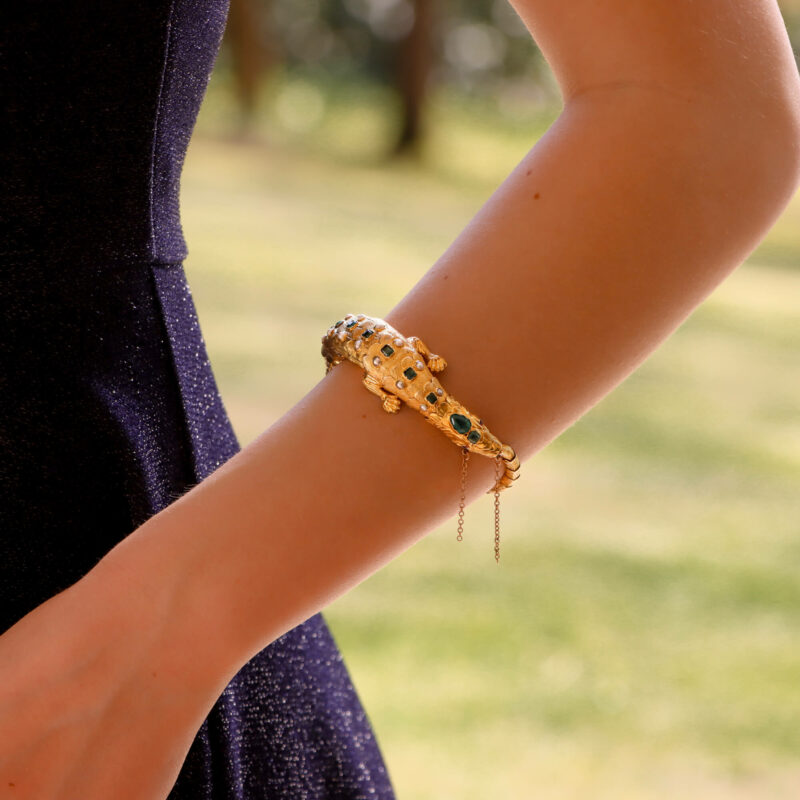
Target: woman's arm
677 148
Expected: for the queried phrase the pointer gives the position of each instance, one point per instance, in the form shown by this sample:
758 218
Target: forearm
606 235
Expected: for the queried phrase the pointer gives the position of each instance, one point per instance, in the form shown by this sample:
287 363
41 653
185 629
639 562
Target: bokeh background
641 638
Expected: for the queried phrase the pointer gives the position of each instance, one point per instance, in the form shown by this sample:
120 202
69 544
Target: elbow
752 156
790 141
780 129
740 163
771 142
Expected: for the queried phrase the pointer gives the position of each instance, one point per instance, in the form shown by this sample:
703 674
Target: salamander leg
391 403
435 363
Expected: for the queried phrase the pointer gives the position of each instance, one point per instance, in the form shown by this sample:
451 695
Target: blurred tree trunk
412 68
249 56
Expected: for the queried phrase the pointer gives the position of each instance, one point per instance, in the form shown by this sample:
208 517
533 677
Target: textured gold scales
401 369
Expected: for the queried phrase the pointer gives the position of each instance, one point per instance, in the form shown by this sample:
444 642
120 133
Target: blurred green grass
641 638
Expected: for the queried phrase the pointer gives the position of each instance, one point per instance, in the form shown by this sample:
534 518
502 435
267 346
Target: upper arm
691 46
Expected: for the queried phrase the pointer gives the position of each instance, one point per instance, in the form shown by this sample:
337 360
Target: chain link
499 469
464 460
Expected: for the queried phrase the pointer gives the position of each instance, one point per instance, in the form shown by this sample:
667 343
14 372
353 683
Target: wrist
141 599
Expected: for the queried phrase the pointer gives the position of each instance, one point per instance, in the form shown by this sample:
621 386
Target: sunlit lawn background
641 637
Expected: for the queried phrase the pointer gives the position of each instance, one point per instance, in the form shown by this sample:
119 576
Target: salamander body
400 369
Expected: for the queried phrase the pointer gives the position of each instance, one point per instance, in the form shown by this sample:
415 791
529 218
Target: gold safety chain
499 469
464 460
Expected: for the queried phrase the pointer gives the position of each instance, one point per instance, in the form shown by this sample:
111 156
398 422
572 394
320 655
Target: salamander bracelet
400 369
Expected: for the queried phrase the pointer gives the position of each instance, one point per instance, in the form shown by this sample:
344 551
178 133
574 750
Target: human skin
677 148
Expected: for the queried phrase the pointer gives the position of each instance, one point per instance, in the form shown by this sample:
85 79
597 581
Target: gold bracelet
400 369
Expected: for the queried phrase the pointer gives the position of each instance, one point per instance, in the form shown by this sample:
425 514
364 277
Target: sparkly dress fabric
108 405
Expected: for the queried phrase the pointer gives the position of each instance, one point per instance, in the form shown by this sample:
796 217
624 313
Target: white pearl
439 392
400 384
357 345
419 365
423 407
398 342
376 361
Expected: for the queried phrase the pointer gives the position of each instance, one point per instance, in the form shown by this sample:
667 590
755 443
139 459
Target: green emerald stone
474 436
431 398
337 324
387 350
460 423
409 373
367 333
351 323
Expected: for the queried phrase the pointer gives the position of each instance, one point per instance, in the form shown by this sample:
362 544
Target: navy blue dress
108 405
